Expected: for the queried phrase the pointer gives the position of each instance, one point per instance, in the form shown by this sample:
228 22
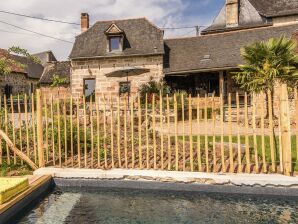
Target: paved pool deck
250 180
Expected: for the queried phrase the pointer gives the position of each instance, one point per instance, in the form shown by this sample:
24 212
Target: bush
153 87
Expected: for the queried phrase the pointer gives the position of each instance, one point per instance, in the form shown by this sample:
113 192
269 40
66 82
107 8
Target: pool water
133 206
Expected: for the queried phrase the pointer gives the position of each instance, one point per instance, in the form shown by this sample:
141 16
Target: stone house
46 57
116 57
61 69
206 62
23 78
112 56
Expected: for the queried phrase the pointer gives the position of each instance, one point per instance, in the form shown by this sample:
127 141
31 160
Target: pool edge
180 187
270 184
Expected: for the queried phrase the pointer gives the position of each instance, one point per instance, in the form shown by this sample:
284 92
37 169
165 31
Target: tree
7 63
267 63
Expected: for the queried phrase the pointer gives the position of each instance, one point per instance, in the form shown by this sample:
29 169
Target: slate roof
33 70
45 57
215 51
276 8
141 38
254 13
56 68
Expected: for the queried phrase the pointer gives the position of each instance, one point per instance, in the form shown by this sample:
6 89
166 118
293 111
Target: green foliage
25 53
58 81
153 87
179 96
7 63
266 63
14 169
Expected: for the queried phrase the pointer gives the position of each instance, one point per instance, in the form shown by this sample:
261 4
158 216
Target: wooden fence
178 132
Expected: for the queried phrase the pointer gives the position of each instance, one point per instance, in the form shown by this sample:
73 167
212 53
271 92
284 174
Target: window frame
84 90
120 38
129 89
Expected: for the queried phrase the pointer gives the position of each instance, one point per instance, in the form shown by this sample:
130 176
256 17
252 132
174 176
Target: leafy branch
7 63
58 81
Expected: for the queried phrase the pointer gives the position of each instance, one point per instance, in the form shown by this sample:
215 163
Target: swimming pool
95 205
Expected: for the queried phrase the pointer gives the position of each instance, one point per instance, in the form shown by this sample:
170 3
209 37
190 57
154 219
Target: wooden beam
17 151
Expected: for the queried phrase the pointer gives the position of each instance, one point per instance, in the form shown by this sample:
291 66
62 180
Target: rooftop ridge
117 20
232 31
127 19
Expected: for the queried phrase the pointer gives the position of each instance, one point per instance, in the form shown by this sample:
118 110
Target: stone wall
57 92
285 20
20 83
262 99
98 68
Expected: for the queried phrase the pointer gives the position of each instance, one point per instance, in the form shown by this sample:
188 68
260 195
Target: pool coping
40 185
249 184
265 184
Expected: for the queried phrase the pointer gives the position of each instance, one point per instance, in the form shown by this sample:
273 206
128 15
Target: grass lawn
14 170
251 144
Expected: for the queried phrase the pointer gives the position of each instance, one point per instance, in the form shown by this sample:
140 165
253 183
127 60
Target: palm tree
266 64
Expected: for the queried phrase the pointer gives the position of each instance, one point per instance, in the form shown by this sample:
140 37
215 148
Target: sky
164 13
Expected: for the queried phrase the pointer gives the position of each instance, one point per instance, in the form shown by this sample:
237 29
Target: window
124 88
89 89
115 43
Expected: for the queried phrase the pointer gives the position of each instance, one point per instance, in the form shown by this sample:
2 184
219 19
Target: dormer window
115 44
115 38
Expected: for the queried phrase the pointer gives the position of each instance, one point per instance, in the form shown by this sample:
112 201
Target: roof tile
189 54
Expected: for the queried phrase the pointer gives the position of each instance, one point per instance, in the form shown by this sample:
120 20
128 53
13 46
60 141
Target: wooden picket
156 131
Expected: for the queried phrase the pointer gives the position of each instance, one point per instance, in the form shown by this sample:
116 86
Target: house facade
114 57
23 78
208 61
25 74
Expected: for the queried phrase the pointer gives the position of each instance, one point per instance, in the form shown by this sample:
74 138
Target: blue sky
164 13
203 9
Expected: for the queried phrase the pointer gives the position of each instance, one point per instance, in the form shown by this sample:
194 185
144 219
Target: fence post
41 162
285 131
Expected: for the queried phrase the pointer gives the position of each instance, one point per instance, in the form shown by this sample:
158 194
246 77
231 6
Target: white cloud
165 13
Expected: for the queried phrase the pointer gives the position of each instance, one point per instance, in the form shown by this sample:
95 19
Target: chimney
84 22
48 57
232 13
